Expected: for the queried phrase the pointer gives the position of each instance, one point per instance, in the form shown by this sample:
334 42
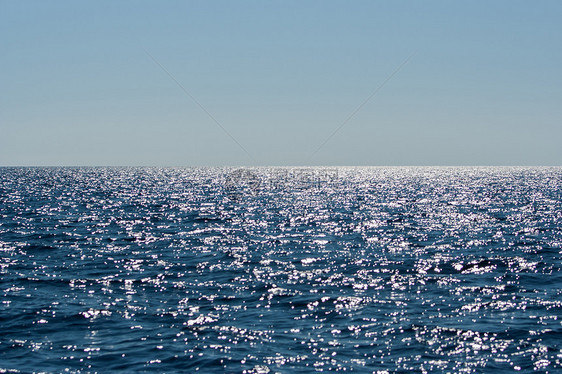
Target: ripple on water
280 269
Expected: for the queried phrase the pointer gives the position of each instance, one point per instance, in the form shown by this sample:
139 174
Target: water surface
280 269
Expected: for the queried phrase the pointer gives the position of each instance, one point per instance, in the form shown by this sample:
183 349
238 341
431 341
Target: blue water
280 270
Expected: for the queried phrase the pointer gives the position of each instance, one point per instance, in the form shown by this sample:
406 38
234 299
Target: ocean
265 270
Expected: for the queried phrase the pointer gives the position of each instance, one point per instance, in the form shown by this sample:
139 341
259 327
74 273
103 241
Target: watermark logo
242 182
252 182
301 178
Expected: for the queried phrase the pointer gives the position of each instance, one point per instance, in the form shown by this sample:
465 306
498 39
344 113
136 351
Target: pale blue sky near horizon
484 86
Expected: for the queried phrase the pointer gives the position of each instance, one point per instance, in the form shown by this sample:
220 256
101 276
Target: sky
267 83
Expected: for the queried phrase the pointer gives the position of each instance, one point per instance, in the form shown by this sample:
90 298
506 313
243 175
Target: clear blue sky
483 88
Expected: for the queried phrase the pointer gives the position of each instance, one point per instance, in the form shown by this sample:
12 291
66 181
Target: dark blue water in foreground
280 270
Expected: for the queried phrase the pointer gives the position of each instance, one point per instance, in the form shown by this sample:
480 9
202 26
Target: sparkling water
280 269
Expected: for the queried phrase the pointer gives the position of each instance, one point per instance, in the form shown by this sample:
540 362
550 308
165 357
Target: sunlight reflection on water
279 269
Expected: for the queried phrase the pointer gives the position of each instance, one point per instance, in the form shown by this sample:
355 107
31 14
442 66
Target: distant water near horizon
264 270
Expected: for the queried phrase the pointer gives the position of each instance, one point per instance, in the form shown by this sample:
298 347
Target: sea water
280 269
